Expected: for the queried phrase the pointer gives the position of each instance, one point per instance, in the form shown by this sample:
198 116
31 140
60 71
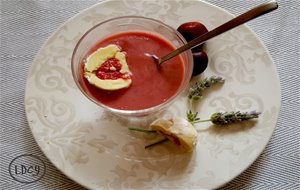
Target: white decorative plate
96 149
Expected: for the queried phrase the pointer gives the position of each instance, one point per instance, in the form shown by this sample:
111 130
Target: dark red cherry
191 30
200 62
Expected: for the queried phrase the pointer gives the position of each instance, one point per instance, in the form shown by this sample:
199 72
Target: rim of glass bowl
141 112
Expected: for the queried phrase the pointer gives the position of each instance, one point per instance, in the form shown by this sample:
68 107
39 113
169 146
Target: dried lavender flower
224 118
232 117
196 90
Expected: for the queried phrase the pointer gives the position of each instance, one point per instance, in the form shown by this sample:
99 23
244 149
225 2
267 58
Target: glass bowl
128 24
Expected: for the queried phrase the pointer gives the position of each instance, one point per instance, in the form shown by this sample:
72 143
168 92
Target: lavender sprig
225 118
232 117
196 90
192 117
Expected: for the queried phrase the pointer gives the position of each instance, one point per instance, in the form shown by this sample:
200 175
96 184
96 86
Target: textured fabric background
26 24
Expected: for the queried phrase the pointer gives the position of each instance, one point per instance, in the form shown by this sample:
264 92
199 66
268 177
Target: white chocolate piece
97 58
107 84
177 130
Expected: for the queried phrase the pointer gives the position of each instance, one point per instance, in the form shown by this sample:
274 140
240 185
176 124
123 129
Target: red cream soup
150 86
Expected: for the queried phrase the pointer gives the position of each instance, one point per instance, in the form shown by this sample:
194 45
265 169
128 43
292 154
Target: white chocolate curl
178 130
96 59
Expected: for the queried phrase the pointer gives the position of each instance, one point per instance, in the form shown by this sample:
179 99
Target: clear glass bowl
123 24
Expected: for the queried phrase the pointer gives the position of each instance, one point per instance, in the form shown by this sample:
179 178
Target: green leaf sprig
192 117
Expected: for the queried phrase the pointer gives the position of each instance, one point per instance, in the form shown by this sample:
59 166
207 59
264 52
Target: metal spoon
245 17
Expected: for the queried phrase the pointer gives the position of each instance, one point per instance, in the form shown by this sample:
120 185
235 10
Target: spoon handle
241 19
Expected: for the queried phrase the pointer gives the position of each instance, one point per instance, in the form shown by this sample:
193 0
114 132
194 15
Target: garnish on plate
196 90
190 31
182 132
192 116
224 118
176 129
